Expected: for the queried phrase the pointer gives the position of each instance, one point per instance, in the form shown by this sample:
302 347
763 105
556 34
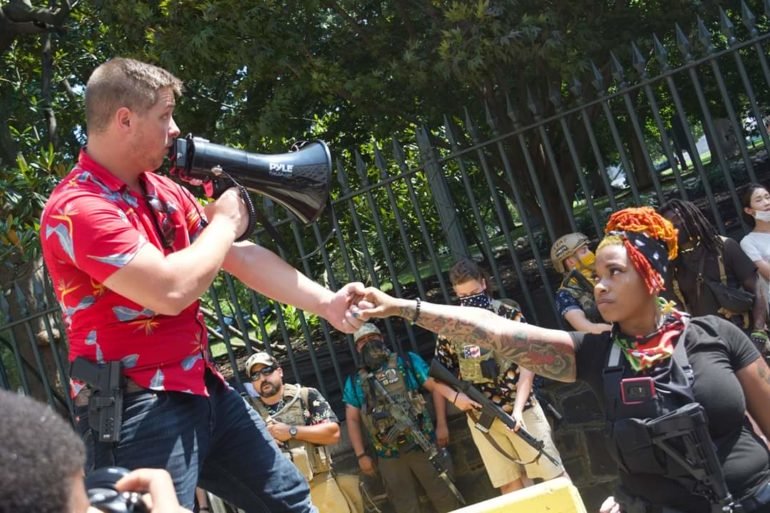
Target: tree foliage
354 72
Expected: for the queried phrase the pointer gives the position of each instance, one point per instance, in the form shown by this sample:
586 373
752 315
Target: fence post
442 198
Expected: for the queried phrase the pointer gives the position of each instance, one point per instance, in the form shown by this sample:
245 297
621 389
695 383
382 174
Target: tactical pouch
301 460
321 462
480 369
633 448
490 369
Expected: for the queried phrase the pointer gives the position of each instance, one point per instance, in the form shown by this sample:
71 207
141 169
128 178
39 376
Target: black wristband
359 456
454 401
416 310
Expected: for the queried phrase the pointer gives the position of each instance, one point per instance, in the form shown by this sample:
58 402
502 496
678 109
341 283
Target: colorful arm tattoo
534 348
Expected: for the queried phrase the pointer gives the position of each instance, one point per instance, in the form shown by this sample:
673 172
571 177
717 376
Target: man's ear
124 118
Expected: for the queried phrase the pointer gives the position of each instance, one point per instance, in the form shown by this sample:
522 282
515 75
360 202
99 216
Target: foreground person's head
41 459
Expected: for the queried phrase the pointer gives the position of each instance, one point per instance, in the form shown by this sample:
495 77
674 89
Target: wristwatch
293 431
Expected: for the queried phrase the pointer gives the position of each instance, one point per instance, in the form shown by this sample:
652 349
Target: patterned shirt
502 391
316 411
93 225
353 395
566 302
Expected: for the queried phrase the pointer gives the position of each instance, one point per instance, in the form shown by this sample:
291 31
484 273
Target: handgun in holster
105 405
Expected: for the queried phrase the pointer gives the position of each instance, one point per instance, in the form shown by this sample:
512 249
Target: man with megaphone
130 252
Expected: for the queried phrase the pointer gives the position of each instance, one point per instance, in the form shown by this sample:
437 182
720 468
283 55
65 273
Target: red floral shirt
93 225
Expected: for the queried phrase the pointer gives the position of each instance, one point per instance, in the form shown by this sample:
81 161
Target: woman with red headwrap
675 389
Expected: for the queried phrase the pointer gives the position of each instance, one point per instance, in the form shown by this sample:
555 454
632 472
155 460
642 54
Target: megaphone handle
252 214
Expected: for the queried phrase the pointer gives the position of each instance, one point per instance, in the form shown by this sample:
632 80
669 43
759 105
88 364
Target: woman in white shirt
756 206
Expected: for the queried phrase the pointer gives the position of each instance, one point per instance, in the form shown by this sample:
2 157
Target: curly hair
40 455
648 223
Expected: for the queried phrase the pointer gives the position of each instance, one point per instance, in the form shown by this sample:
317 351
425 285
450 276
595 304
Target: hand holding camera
118 490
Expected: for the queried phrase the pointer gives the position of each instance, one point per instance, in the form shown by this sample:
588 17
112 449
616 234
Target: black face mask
481 300
375 354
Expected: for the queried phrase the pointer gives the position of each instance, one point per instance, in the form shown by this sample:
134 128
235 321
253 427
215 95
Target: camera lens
100 486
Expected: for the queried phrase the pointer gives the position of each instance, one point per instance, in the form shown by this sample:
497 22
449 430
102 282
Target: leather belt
84 395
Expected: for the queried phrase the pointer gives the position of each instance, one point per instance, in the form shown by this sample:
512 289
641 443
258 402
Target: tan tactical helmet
565 247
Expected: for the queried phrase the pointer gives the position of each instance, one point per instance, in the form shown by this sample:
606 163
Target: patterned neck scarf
644 352
481 300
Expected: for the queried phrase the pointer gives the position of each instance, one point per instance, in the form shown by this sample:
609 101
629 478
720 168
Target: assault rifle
688 426
489 410
407 425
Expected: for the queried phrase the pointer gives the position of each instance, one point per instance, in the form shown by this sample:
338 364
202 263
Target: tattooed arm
755 381
549 353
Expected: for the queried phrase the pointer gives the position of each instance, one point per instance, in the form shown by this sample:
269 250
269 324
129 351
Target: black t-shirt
716 349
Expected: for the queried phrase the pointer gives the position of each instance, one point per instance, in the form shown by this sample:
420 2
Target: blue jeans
218 442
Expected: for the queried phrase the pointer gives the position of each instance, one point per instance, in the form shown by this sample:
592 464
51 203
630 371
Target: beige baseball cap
261 357
366 330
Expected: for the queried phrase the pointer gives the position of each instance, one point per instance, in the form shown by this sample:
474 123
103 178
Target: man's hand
341 311
465 403
366 464
232 208
157 486
609 506
442 434
279 430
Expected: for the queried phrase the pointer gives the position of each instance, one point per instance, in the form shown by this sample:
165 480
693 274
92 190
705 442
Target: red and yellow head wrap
650 240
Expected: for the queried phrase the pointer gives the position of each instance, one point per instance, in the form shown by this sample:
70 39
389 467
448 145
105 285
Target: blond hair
122 82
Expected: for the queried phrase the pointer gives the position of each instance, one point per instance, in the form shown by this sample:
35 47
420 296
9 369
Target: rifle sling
497 447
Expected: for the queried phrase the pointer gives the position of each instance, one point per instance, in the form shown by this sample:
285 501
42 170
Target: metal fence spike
532 104
554 94
598 81
727 27
617 69
748 19
638 61
683 43
576 87
661 53
489 116
704 36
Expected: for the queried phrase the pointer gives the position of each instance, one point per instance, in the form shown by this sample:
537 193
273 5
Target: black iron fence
684 115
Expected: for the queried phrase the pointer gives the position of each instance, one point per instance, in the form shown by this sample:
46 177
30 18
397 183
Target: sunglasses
164 226
264 371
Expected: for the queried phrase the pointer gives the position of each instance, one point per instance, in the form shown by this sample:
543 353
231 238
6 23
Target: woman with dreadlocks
709 267
675 389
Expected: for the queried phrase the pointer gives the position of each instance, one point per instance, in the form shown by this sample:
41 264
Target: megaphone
298 180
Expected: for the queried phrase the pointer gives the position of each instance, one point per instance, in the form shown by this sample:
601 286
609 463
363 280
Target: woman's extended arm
549 353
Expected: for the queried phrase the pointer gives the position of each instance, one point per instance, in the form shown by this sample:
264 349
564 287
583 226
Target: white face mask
762 216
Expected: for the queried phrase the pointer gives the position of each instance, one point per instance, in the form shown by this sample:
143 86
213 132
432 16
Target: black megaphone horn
299 180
